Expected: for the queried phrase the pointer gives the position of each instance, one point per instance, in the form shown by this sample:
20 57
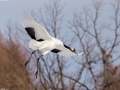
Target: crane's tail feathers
80 53
32 44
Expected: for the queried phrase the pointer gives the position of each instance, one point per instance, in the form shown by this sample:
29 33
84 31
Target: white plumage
41 40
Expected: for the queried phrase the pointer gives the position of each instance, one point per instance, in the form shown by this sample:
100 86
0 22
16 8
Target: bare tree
13 75
98 48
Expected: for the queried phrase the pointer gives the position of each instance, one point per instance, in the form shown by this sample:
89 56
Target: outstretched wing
35 30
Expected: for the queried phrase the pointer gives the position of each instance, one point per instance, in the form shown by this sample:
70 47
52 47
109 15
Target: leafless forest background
97 38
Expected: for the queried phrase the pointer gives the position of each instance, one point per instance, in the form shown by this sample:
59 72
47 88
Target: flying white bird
41 40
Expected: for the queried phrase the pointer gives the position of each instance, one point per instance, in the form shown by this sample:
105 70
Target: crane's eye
72 49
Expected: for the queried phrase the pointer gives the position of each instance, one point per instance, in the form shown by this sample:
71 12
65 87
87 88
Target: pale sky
12 9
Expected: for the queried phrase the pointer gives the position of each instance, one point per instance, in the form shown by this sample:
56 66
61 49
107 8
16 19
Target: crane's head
73 50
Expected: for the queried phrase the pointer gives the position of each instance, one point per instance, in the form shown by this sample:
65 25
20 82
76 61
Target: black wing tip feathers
31 32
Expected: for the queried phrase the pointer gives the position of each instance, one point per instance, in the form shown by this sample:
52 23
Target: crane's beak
80 53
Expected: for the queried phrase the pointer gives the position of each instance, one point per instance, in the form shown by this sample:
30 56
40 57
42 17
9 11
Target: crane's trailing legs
29 57
37 66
